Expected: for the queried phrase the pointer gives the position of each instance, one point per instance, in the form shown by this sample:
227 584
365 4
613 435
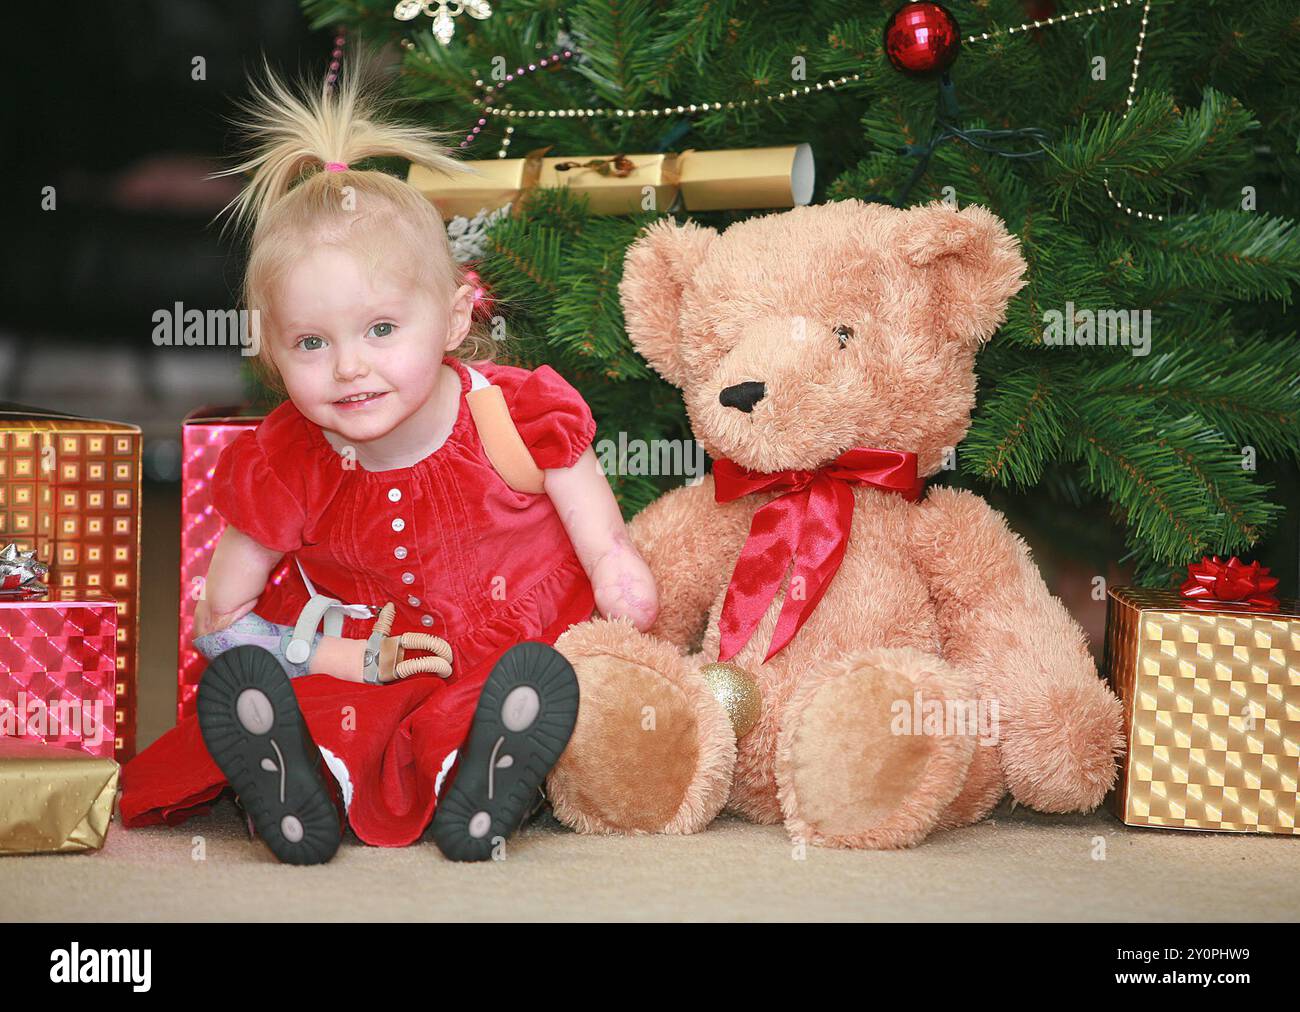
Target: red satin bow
1233 581
809 523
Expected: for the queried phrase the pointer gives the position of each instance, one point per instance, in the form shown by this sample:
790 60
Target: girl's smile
359 402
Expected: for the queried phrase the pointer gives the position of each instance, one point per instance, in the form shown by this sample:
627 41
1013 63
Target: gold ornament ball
736 690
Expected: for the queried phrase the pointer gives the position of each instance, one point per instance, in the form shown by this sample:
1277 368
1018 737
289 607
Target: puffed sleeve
253 498
552 418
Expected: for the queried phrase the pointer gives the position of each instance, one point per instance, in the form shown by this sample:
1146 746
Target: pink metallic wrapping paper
58 669
204 434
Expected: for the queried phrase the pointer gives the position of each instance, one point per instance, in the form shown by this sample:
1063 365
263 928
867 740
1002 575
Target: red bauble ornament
922 39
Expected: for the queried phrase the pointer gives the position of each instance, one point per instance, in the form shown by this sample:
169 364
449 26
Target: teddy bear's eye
843 331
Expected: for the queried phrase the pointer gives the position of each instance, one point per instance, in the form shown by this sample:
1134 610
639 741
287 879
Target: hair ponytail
305 190
295 131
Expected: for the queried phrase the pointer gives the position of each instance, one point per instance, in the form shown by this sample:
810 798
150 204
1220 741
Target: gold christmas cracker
753 178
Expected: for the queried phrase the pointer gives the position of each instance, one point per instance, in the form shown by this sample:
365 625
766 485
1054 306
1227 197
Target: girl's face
360 355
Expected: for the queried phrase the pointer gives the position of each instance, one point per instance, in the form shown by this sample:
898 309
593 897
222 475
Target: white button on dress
394 495
399 525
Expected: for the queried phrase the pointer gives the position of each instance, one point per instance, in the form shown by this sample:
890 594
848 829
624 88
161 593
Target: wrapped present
58 669
70 493
204 434
53 799
1211 691
619 184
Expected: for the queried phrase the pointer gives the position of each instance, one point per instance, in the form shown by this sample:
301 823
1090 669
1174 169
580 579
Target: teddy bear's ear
657 269
975 264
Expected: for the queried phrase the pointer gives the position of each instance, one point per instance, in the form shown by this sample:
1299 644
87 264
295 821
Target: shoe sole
524 718
256 734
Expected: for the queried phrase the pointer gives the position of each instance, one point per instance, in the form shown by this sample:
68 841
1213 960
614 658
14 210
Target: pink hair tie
335 167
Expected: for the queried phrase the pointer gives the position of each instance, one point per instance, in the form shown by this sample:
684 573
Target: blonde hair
292 202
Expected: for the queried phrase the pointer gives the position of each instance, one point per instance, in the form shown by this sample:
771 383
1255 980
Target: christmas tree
1146 154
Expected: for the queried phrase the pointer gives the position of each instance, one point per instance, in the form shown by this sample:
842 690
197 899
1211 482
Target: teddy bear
909 665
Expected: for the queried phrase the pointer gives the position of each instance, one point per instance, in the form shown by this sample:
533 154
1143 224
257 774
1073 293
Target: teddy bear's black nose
743 396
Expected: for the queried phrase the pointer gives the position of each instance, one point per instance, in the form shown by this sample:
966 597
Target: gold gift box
53 799
706 181
1211 698
70 491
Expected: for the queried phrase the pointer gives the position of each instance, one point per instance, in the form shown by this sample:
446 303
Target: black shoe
524 718
256 734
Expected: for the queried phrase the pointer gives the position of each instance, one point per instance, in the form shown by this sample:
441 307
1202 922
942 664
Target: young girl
450 511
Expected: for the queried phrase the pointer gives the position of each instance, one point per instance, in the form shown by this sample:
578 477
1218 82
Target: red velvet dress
459 553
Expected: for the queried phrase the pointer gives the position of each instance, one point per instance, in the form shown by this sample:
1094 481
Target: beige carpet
1017 866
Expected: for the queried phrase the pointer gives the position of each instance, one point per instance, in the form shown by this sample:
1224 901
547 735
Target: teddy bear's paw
1059 746
863 761
985 786
652 751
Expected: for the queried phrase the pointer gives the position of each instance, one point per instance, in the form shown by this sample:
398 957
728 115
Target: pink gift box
58 669
204 434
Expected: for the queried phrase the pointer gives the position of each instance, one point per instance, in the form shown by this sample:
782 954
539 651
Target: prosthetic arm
294 647
224 619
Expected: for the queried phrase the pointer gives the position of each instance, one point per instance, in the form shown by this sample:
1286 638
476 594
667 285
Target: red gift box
58 669
204 434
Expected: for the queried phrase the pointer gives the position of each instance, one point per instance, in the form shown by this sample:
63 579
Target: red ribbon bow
1233 581
809 524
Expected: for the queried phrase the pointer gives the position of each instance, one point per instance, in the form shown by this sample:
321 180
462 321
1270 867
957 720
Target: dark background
104 108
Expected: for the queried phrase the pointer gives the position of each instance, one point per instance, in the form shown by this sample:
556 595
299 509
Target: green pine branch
1178 485
1147 154
1225 253
1019 429
1246 388
616 38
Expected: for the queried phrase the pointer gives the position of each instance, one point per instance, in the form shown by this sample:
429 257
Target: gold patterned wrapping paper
1211 712
750 178
70 491
53 799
